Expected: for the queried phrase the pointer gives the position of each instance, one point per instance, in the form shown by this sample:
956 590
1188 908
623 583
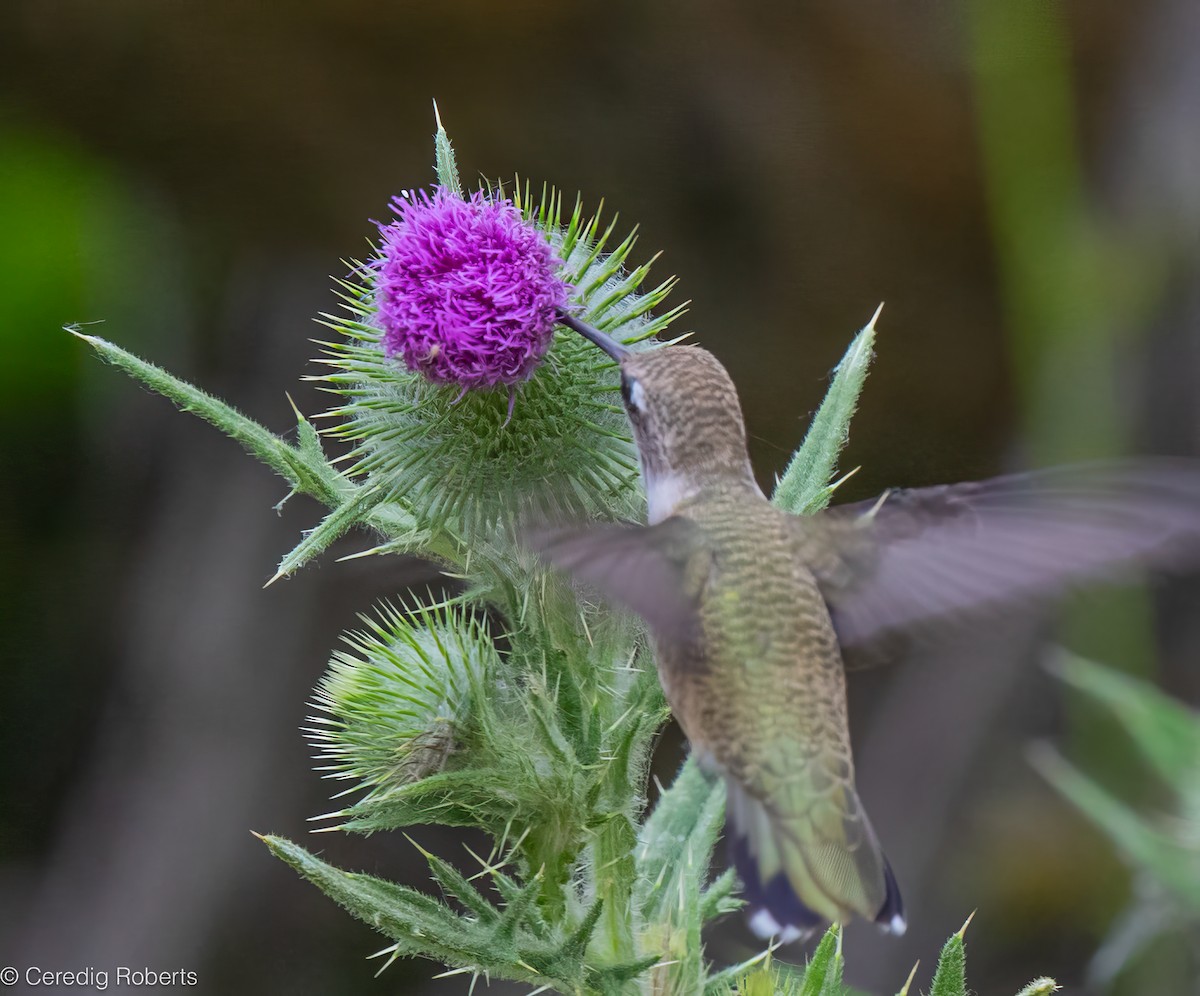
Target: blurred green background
1017 181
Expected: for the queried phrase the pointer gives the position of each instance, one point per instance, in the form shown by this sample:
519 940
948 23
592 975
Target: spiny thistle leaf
472 797
673 856
673 853
806 485
500 946
1173 861
1165 731
718 898
820 977
575 947
301 468
397 701
950 978
682 828
455 884
823 976
517 786
1167 734
444 164
352 512
415 919
308 440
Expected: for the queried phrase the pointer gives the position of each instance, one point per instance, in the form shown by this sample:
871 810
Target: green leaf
1162 846
447 168
718 898
950 979
516 911
806 485
613 978
300 468
352 512
454 883
672 859
508 945
760 976
677 839
1151 916
574 948
1165 731
475 797
1175 863
823 976
309 448
418 923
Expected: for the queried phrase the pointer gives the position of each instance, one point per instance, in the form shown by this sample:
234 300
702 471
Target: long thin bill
605 342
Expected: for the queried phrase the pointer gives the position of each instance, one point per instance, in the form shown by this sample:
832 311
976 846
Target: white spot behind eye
637 396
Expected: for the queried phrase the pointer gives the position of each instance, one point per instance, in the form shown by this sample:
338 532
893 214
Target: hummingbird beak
605 342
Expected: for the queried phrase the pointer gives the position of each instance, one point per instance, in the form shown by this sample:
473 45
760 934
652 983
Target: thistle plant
518 706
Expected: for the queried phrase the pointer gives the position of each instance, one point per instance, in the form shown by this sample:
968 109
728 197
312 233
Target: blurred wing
934 554
643 568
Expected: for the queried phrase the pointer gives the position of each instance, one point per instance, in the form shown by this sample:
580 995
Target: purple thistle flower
467 291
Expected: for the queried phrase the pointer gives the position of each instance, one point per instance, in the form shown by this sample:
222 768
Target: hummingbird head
686 419
685 414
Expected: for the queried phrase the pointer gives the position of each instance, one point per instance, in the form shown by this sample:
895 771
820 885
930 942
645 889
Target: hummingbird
752 611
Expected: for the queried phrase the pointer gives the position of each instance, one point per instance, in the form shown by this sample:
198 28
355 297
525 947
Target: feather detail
795 878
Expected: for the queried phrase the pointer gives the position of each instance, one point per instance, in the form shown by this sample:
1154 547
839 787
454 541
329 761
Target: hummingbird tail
792 887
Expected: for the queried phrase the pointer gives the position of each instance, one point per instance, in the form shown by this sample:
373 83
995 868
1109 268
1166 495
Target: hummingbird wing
650 570
938 555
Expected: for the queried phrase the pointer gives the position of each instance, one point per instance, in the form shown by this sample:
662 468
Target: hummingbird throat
664 491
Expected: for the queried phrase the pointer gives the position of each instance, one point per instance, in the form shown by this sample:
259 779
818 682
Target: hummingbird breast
762 690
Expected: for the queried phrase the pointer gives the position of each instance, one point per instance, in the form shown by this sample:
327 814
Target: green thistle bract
397 701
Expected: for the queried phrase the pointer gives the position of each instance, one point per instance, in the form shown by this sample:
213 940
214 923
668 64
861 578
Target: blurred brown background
1017 182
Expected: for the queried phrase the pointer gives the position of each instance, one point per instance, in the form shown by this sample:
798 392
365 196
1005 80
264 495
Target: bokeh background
1019 182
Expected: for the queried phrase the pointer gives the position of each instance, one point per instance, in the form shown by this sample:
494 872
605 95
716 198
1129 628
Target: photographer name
101 978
